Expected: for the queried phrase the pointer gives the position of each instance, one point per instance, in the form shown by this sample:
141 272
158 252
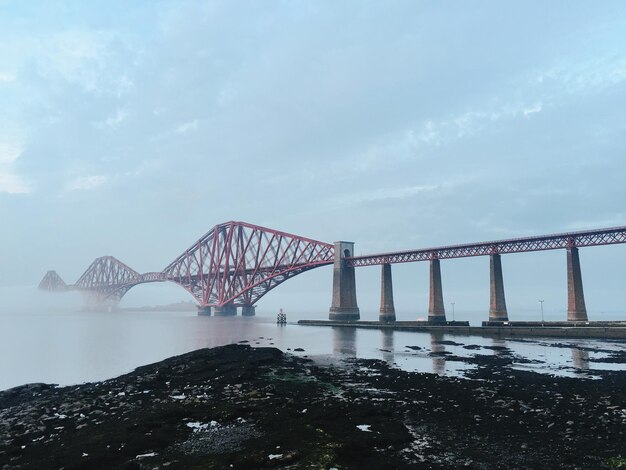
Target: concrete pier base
436 309
227 310
497 303
576 310
344 306
204 311
248 311
387 309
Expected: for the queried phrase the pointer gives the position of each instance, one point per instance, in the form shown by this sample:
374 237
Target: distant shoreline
177 307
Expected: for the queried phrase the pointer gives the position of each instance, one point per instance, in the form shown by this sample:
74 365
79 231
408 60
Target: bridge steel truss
52 282
609 236
108 280
235 263
238 263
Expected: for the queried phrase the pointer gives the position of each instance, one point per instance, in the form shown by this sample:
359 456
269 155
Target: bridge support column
205 311
248 311
226 310
497 304
436 309
576 310
387 309
344 306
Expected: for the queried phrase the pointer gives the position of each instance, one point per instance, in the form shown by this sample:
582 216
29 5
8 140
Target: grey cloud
322 118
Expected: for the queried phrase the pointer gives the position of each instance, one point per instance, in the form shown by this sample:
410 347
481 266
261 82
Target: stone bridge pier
205 311
497 301
436 308
576 310
387 309
226 310
344 306
248 311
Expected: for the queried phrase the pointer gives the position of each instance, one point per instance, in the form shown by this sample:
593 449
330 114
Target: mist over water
131 135
46 338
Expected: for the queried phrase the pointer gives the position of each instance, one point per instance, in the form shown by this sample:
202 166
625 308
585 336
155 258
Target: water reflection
438 353
580 358
69 348
344 341
387 346
499 346
223 330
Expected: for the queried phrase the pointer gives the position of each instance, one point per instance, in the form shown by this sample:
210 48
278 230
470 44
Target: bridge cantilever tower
52 282
106 281
236 263
233 265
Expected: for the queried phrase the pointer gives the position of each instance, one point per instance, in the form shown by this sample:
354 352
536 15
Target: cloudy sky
131 128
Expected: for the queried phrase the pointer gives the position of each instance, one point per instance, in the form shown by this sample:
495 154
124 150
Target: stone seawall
589 330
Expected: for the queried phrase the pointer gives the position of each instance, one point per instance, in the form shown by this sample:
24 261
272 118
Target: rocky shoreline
243 407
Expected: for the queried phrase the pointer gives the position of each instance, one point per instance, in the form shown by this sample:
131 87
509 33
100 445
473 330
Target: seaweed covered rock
243 407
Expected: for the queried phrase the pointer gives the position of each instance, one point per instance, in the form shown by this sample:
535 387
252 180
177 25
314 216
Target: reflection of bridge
345 343
236 263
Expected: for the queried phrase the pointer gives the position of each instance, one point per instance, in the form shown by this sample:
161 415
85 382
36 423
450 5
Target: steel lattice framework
52 282
234 263
108 278
239 263
609 236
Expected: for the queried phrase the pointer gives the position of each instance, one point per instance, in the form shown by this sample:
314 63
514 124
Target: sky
131 128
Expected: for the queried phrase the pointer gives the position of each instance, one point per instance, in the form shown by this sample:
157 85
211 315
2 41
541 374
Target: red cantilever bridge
236 263
233 265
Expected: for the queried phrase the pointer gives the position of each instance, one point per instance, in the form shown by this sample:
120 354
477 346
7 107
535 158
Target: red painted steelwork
108 278
234 263
52 282
239 263
609 236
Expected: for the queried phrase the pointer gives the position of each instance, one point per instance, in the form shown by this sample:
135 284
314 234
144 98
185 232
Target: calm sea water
69 348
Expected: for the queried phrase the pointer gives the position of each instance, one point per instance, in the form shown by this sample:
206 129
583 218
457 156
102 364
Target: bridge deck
609 236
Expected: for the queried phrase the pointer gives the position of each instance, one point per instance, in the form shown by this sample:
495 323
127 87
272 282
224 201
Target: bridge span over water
236 263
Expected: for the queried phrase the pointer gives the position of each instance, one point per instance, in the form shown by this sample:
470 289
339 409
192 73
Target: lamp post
452 311
541 302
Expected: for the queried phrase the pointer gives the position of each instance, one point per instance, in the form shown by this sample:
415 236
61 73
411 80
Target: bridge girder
233 263
239 263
